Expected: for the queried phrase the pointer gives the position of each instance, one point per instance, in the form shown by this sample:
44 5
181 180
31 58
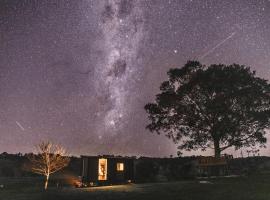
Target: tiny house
107 170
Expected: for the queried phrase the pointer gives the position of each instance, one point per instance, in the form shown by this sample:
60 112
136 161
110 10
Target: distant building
209 165
106 170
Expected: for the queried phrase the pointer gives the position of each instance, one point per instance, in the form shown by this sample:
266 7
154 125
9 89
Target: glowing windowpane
120 166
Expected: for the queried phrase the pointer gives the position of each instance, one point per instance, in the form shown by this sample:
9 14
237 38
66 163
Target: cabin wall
84 169
115 176
93 169
129 173
89 169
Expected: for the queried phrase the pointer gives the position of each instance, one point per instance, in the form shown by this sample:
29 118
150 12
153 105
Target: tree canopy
217 106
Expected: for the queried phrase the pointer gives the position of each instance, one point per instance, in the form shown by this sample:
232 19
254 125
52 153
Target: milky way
80 72
122 27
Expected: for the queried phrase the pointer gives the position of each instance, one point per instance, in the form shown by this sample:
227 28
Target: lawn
237 188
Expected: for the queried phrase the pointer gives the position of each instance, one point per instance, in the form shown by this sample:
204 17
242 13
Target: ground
255 187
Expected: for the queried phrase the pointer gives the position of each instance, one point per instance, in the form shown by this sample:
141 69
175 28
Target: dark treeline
146 169
12 165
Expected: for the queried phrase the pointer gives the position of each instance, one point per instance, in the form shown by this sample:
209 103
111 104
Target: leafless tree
49 159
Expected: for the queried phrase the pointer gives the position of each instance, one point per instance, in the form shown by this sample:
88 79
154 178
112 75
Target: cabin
106 170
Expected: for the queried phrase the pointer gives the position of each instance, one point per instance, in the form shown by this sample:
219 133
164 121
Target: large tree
216 106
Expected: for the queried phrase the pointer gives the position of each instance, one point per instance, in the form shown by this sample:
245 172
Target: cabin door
102 169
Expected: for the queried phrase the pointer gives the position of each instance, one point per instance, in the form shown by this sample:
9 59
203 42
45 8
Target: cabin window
102 169
120 166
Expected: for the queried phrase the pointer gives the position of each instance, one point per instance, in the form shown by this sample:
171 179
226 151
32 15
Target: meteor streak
19 125
218 45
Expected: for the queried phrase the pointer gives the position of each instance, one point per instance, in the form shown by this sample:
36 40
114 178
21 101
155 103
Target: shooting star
218 45
20 126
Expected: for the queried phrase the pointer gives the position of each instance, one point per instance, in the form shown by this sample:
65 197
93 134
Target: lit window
120 166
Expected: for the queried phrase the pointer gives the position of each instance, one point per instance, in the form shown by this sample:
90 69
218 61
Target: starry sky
80 72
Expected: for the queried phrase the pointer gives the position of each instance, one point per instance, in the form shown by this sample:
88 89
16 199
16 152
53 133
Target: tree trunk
217 169
46 182
217 149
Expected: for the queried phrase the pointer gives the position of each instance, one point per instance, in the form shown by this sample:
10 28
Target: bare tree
49 159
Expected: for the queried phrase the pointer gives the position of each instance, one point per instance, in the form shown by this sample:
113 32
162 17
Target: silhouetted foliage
218 106
7 171
164 169
146 170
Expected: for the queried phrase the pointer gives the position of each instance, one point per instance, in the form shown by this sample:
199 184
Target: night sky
80 72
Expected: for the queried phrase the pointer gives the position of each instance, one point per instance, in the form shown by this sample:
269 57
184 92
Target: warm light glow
120 166
102 169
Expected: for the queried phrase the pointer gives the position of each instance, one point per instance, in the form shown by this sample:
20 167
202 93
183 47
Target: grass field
237 188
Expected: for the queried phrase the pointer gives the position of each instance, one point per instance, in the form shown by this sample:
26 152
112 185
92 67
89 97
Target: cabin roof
108 156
